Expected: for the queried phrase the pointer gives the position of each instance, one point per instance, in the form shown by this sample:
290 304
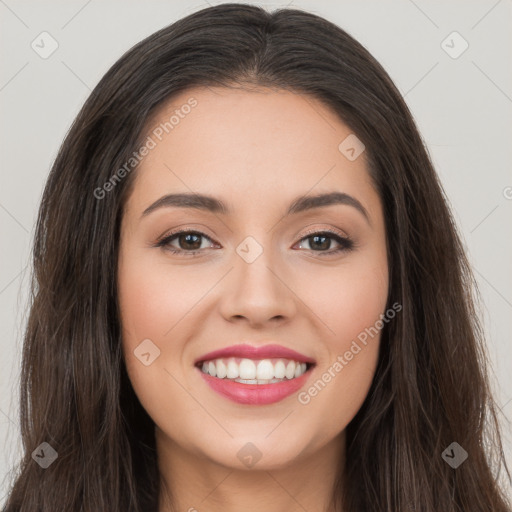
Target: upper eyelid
329 231
181 231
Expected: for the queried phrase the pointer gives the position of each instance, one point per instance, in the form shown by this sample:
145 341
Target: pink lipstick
255 375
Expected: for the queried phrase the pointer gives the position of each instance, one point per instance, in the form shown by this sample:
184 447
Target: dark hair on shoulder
431 386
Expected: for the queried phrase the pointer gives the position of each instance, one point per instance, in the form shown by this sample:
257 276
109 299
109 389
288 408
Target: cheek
338 389
347 299
148 310
151 304
350 304
154 298
157 302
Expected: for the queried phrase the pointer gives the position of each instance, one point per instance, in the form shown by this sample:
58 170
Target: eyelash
346 243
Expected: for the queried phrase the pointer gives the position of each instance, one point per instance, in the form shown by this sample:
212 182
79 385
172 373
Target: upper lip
251 352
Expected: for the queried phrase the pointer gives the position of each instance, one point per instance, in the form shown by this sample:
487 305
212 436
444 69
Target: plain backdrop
461 101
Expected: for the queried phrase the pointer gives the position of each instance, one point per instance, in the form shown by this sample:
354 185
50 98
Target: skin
257 150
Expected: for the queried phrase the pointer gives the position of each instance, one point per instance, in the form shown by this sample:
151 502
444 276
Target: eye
321 241
189 242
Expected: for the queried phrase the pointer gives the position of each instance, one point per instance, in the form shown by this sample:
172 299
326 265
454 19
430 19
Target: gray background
462 107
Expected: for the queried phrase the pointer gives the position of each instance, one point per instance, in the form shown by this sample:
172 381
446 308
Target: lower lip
255 394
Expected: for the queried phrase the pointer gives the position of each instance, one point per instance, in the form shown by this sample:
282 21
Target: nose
258 293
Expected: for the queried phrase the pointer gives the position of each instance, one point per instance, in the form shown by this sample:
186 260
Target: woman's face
260 271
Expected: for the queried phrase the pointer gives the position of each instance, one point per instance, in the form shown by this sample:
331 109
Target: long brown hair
431 385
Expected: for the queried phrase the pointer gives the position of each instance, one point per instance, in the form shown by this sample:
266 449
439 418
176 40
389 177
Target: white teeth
248 371
300 369
221 369
233 372
258 381
265 370
279 370
290 370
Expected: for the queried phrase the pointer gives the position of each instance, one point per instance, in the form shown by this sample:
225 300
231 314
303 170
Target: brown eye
322 241
319 242
189 241
185 242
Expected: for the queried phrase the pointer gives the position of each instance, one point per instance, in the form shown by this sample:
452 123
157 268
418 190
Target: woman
249 291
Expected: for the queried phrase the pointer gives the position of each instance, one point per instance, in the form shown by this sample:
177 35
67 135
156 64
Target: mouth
249 371
254 379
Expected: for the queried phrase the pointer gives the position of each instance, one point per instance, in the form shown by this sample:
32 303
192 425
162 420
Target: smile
255 375
248 371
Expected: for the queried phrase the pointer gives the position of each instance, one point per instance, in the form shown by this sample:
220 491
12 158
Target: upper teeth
248 369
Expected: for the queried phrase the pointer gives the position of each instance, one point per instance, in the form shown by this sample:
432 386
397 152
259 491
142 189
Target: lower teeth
257 381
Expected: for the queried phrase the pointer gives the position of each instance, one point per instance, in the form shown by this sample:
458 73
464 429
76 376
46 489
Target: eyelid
316 230
185 229
169 234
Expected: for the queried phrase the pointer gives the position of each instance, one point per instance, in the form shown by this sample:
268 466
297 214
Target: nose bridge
257 291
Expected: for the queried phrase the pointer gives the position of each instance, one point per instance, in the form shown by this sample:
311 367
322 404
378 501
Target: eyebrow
214 205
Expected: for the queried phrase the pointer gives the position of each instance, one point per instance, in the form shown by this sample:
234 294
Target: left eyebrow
303 203
215 205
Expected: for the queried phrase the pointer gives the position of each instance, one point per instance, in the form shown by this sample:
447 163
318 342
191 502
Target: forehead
242 144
